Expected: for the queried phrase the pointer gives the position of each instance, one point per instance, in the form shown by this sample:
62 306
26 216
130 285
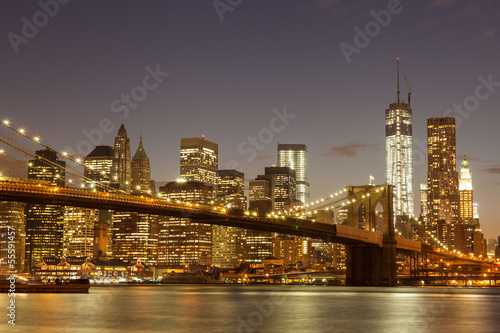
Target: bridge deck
50 195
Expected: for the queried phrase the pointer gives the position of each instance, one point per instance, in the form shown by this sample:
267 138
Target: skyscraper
181 242
284 186
424 208
442 177
12 219
199 160
259 244
399 152
466 191
78 232
294 156
44 223
121 167
135 236
98 165
228 243
141 171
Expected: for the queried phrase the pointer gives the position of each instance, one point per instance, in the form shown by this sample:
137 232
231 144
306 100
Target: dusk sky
229 68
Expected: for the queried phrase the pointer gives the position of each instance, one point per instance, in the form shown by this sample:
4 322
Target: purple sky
226 77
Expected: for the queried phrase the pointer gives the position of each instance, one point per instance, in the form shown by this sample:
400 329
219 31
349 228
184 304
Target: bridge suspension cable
36 140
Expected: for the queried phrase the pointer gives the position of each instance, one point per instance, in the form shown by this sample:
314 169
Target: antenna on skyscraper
409 92
398 78
122 112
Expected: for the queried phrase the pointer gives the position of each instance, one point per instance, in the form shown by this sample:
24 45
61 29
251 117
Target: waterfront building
180 241
135 237
78 232
45 223
12 231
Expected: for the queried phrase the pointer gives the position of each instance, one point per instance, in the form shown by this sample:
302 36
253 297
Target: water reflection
260 309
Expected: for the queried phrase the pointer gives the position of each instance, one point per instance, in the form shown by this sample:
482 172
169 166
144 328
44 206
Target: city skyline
226 80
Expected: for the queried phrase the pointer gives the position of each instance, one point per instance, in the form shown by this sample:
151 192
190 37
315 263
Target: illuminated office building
442 178
181 242
78 232
44 223
121 168
228 243
294 156
283 186
98 165
259 244
424 208
141 171
135 236
12 231
199 160
399 153
292 249
466 191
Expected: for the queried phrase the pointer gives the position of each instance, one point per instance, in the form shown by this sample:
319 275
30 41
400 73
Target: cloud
352 148
493 170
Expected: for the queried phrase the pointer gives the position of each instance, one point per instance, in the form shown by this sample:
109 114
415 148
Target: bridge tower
372 265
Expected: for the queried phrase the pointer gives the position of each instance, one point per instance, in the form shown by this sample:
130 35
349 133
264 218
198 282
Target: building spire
398 79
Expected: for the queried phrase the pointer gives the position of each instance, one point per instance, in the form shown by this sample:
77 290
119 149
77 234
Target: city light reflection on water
181 308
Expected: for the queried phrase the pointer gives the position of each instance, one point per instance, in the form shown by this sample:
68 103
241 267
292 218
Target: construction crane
409 92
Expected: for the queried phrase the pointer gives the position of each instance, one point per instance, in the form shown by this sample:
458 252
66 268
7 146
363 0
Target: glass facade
399 156
294 156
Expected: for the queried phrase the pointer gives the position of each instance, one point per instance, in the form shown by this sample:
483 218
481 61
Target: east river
257 308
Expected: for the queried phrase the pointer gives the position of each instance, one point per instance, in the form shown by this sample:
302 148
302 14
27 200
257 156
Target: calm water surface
187 308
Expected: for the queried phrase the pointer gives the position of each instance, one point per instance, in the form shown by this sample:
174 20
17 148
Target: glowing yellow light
21 130
36 138
6 122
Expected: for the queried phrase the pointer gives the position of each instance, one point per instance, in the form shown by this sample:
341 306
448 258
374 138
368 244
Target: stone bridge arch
370 265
